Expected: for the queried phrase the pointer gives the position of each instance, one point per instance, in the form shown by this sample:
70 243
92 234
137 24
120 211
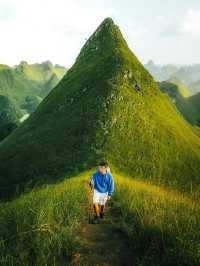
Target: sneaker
95 220
101 215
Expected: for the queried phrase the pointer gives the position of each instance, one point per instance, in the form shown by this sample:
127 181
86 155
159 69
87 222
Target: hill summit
106 106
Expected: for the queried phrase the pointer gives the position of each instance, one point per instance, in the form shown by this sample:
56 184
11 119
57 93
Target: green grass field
163 225
41 227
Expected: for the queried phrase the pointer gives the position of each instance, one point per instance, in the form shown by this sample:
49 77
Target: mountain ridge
188 75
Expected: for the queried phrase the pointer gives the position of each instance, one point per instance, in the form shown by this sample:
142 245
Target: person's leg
102 211
96 206
102 208
103 200
96 209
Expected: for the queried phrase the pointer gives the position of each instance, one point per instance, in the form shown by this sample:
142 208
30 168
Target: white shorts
99 197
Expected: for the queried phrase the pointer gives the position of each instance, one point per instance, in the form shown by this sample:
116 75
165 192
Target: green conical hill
106 106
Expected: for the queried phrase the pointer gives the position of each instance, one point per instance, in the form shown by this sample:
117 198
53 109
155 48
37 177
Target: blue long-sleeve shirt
103 183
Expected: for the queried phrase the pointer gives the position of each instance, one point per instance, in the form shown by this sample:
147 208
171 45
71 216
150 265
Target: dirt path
103 244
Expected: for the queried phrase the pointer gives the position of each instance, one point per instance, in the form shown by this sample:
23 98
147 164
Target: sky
39 30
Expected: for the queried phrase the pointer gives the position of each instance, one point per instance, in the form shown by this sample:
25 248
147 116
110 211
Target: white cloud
39 30
191 23
7 11
47 29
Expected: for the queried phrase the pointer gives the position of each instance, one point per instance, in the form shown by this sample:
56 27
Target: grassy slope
189 107
14 85
9 116
183 90
41 226
28 80
107 105
25 86
72 110
197 130
194 103
163 225
149 149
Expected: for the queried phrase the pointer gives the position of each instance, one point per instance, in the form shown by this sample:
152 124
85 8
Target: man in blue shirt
103 186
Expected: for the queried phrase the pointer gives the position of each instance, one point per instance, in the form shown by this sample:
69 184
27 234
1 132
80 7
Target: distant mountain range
188 75
189 107
182 85
23 87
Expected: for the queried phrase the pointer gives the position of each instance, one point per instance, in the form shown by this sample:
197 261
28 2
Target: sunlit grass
163 225
41 227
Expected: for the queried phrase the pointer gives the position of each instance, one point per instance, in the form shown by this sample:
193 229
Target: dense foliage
42 226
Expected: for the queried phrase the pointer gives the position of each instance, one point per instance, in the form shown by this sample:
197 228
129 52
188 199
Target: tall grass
40 227
163 226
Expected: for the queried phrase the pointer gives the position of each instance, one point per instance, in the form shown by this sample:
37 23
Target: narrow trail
103 244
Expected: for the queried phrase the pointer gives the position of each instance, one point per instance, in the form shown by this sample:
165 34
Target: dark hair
103 163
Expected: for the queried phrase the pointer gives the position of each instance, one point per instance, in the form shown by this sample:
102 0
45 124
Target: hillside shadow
152 247
16 190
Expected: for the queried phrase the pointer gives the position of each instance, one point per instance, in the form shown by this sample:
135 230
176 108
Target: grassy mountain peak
106 106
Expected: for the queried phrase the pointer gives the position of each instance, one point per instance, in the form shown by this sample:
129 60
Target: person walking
102 184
